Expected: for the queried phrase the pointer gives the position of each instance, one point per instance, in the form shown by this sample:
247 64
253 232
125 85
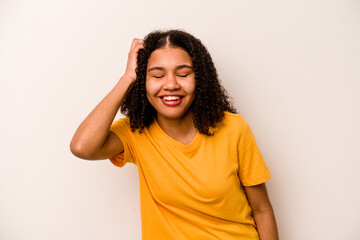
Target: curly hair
211 99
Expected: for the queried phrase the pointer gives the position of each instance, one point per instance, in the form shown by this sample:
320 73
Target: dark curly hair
211 99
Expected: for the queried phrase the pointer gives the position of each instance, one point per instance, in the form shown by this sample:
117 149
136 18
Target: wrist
126 80
124 84
131 78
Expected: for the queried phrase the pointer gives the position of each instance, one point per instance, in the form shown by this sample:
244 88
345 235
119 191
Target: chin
173 115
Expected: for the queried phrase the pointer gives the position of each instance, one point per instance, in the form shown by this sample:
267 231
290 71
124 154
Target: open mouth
171 100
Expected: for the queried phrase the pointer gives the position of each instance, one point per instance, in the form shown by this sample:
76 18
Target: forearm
266 225
92 132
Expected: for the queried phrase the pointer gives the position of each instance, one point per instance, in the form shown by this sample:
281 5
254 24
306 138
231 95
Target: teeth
171 98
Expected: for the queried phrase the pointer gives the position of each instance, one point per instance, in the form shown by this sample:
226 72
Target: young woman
201 173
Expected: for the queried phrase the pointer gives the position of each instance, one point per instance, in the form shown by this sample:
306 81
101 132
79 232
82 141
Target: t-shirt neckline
174 143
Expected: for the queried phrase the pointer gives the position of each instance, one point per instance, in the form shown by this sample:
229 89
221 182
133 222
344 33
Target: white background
292 68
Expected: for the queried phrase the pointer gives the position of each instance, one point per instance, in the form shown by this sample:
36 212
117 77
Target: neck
182 129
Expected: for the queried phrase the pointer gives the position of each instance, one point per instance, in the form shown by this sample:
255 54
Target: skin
263 213
93 140
170 73
166 75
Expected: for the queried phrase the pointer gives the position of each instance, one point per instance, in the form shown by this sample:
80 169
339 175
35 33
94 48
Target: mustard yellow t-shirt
194 191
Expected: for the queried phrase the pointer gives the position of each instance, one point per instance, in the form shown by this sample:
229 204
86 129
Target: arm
93 140
262 212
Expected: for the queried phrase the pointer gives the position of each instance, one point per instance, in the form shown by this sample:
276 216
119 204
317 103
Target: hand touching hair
211 99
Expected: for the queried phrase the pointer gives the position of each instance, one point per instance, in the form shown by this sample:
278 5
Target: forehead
169 56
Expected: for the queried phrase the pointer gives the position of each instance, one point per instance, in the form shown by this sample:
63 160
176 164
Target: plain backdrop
291 67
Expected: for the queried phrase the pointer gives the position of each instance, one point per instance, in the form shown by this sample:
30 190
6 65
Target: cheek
148 86
151 88
192 86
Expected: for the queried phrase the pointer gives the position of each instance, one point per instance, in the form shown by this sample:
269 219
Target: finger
136 41
137 47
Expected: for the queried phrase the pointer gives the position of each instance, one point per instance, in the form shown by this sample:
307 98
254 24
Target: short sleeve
122 129
252 167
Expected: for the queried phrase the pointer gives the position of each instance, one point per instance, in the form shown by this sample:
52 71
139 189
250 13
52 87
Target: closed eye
158 76
183 75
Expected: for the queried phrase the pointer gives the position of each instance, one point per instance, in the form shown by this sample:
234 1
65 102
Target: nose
171 82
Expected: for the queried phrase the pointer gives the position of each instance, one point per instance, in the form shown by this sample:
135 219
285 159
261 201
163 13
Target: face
170 82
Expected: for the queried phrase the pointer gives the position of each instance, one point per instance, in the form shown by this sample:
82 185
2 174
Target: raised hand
93 140
130 72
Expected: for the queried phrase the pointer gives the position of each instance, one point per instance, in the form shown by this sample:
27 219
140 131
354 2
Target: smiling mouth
170 98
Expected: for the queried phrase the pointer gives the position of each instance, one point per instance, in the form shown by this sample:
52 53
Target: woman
201 173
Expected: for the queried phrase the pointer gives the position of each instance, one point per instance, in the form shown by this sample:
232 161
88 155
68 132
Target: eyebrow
177 68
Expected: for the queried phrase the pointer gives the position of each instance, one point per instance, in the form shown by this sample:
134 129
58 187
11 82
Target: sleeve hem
124 157
257 181
118 160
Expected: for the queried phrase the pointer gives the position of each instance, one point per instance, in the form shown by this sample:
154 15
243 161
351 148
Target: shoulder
123 120
231 124
233 119
121 125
